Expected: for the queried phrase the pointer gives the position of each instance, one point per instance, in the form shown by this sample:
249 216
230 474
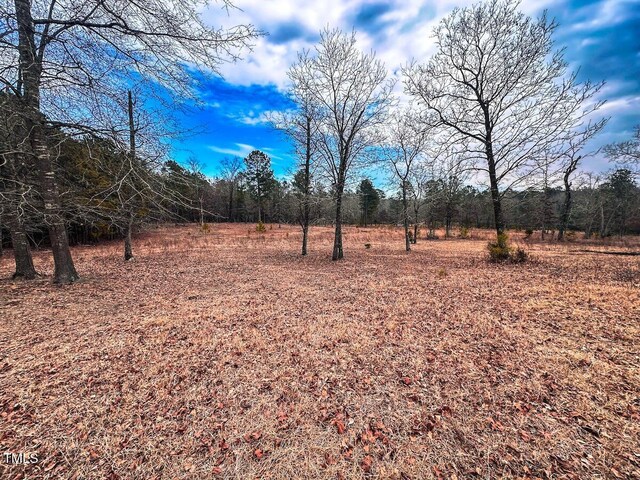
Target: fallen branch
631 254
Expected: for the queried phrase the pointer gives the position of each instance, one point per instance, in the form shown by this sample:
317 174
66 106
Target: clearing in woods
227 354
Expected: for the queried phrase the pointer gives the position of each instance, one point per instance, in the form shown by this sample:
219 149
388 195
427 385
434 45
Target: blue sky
601 39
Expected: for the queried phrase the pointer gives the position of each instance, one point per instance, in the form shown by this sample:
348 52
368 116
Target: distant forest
603 206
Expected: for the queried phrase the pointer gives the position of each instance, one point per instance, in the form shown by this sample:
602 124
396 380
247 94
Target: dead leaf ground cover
226 354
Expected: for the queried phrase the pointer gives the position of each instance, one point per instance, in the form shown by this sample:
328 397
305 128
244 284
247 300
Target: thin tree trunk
566 208
128 249
405 217
30 67
259 203
306 213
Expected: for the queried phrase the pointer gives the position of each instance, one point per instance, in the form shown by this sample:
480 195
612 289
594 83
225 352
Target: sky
601 41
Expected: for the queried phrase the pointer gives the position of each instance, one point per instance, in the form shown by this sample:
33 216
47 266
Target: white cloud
404 32
240 150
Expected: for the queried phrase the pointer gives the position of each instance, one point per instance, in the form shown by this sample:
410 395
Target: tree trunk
30 67
21 251
306 208
305 239
337 242
405 217
415 231
493 179
566 208
495 193
128 249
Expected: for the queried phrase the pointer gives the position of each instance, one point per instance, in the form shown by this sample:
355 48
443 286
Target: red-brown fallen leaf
525 436
366 463
216 470
258 453
407 380
223 445
328 459
495 425
248 437
340 426
522 407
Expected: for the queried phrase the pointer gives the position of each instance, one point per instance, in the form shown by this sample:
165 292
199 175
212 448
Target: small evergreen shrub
411 236
205 228
499 251
367 246
464 232
260 227
528 232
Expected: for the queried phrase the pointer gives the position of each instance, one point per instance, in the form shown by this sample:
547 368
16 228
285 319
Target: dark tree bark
405 217
128 249
337 242
566 206
306 207
21 250
493 179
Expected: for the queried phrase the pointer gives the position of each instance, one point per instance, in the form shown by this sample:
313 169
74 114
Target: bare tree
301 126
352 93
570 157
496 82
53 51
406 142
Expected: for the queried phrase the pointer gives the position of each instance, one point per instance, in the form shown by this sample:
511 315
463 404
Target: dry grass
225 354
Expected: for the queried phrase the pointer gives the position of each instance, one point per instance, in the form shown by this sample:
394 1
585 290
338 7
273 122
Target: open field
227 355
